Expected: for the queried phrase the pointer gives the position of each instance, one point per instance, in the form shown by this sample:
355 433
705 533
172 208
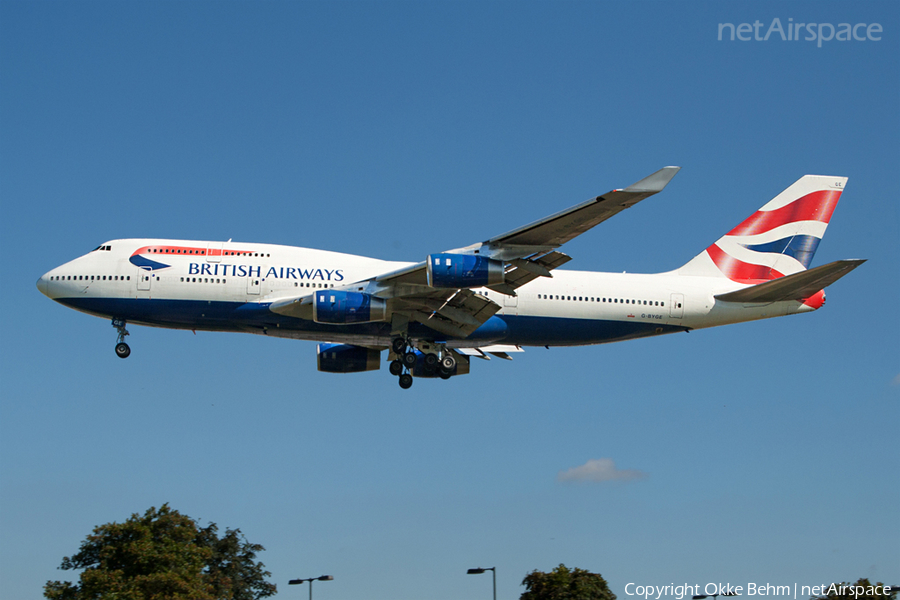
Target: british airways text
273 272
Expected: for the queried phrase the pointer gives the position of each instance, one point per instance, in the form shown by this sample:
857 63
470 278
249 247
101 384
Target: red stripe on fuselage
815 206
156 250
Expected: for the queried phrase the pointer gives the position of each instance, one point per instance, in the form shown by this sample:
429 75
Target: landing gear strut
122 349
405 361
437 360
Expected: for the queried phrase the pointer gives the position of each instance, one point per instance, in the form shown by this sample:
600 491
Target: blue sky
767 451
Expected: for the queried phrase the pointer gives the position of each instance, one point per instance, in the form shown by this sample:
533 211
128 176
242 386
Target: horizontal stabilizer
798 286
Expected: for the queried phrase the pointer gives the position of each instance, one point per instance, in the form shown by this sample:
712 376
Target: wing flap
797 286
526 270
498 350
460 313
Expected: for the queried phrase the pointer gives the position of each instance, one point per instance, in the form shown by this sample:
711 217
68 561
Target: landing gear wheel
448 362
122 350
430 360
398 344
409 359
396 367
444 374
406 381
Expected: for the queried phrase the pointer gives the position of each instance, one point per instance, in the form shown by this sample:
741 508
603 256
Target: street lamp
310 580
479 571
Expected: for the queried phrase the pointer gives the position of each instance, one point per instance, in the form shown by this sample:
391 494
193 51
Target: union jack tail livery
777 240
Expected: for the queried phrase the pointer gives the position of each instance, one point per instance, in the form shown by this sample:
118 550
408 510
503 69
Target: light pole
479 571
310 580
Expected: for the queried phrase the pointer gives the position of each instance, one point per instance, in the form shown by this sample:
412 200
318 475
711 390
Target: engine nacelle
344 358
342 308
463 270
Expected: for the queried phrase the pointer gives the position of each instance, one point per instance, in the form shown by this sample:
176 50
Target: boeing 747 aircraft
483 300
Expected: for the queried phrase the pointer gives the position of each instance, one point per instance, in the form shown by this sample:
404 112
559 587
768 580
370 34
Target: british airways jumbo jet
487 299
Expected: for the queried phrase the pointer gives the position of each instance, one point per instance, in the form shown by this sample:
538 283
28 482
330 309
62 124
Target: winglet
655 182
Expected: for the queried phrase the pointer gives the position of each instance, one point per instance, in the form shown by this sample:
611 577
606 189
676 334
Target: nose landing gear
122 349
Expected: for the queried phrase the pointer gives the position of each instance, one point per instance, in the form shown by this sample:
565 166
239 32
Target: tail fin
777 240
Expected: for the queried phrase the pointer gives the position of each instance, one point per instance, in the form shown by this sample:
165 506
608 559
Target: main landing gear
122 349
436 360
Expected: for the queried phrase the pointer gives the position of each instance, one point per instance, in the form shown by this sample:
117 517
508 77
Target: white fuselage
228 287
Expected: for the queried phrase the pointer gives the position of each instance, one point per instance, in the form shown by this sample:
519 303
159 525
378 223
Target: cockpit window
102 248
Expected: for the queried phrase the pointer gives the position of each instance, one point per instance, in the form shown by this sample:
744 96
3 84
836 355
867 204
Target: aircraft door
143 280
676 305
511 304
253 285
214 252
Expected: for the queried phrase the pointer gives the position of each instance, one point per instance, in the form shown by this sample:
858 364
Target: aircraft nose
42 284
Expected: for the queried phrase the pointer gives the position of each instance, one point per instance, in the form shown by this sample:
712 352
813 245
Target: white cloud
599 469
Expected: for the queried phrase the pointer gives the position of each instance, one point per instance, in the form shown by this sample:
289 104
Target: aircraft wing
529 251
456 313
514 259
556 230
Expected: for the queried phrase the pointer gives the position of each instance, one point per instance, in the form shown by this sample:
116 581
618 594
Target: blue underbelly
240 316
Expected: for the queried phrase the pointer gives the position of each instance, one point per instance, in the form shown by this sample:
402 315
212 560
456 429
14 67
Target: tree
563 583
861 590
163 555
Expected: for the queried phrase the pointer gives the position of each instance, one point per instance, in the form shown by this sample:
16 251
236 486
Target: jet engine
345 358
463 270
341 308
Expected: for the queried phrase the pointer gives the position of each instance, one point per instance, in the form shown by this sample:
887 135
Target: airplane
491 298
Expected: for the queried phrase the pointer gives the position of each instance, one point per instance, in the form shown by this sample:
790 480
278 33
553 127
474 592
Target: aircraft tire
398 344
396 367
430 360
409 359
122 350
444 374
448 362
406 381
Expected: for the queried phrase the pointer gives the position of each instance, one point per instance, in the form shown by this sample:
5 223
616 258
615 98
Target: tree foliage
563 583
163 554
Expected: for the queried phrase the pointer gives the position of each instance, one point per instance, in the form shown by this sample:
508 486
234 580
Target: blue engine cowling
463 270
340 308
344 358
